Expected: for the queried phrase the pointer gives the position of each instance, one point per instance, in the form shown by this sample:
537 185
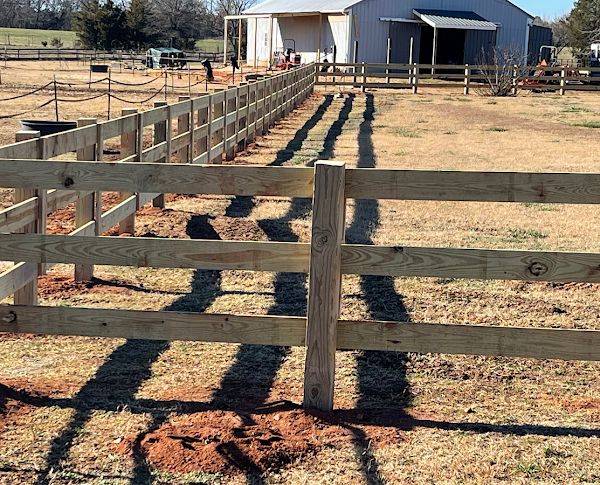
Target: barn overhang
452 19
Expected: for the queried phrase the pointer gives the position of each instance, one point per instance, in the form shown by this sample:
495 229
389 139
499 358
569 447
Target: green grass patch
588 124
34 37
449 99
402 154
464 100
576 109
493 101
523 235
497 128
404 133
450 133
214 44
541 207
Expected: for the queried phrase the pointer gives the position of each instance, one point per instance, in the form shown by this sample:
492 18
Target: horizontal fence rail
325 259
415 76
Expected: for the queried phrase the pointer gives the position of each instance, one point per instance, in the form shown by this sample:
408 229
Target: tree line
125 24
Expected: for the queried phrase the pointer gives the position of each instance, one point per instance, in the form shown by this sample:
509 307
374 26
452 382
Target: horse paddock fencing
466 77
325 259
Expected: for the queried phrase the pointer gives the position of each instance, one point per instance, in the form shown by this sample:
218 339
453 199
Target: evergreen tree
86 24
138 24
583 24
101 26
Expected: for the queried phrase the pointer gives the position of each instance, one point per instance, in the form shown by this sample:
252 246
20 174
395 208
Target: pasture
108 411
34 38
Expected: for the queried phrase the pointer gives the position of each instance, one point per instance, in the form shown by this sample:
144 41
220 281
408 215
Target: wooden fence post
415 79
183 125
28 294
218 135
325 279
364 77
84 207
563 80
260 108
467 79
202 143
160 136
129 145
231 103
251 117
242 121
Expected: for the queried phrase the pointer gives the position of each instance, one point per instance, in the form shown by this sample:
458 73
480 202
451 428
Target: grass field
33 38
84 410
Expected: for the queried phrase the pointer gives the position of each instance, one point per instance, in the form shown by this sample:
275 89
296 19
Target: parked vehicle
159 57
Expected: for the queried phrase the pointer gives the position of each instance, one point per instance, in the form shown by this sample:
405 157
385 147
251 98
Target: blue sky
545 8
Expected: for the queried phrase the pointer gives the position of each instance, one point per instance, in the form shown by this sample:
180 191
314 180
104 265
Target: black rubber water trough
48 127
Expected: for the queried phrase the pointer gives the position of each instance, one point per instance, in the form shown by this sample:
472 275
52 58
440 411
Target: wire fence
53 85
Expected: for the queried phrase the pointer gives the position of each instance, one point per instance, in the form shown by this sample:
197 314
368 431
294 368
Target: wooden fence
222 123
61 54
325 259
415 76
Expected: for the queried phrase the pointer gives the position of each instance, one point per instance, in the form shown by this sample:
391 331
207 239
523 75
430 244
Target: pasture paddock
420 417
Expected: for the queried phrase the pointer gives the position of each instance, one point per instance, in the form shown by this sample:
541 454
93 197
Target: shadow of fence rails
329 184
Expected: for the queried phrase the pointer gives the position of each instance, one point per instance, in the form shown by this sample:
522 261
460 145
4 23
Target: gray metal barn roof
454 19
274 7
300 6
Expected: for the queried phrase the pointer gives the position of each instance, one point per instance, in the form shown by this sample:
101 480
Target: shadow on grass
381 375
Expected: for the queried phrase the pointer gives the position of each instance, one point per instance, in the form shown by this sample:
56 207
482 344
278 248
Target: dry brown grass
421 418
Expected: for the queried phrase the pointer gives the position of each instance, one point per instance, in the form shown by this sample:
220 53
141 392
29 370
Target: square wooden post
563 80
218 135
467 79
325 279
84 207
160 136
242 120
28 294
415 79
231 100
202 142
183 125
129 145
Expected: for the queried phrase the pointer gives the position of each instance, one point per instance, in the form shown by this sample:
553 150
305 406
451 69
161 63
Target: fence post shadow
382 382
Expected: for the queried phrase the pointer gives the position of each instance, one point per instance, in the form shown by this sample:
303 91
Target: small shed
401 31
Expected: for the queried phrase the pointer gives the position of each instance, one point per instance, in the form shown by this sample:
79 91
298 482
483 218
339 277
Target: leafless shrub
501 69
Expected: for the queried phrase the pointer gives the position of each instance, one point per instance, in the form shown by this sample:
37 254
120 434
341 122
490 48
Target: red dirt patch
587 404
263 439
19 397
60 287
230 443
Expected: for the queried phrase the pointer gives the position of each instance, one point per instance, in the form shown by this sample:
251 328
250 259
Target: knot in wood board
538 269
10 317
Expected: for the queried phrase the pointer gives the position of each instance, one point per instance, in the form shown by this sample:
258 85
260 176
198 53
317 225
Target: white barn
444 31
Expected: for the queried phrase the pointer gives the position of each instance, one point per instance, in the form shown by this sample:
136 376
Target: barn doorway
450 46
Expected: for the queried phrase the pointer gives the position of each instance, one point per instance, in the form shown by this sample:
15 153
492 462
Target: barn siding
538 37
372 33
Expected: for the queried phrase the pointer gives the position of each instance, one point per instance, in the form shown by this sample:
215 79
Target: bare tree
233 7
560 30
502 68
